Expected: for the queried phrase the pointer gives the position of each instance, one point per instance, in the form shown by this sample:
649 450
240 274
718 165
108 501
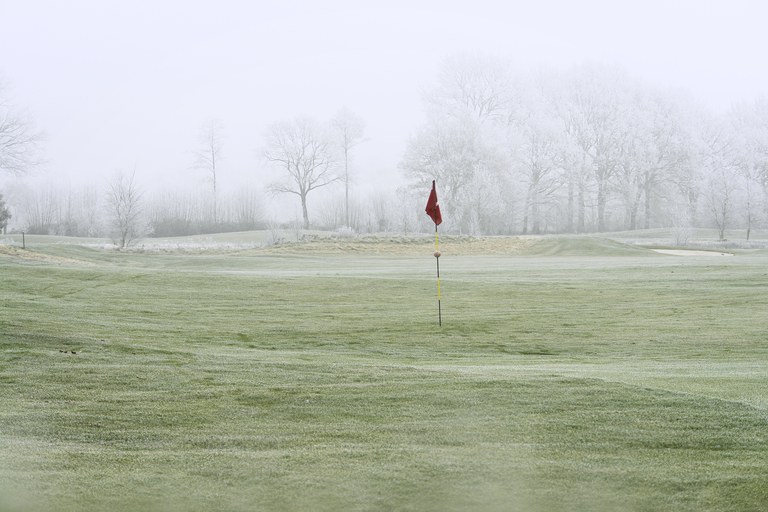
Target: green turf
579 376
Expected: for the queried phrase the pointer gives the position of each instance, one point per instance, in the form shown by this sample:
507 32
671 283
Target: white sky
123 84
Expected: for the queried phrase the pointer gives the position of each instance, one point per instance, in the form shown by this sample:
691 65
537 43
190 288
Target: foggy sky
120 85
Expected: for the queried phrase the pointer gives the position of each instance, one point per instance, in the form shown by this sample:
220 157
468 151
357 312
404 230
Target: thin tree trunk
582 209
535 215
569 210
601 199
526 210
346 186
648 191
304 211
635 209
213 172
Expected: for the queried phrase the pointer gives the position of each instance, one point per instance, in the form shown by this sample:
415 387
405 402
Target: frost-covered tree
208 156
349 132
457 156
40 210
749 123
302 150
19 142
656 150
473 87
598 108
124 201
538 154
463 144
721 184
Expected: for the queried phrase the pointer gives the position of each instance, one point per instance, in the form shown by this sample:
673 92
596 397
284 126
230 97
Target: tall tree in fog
473 87
668 157
208 155
538 159
597 107
718 159
456 155
124 204
302 150
349 130
537 145
19 142
720 199
653 155
749 122
461 144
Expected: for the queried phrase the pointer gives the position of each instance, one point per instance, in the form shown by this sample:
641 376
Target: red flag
433 209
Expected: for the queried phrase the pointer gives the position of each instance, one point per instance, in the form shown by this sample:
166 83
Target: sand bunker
690 252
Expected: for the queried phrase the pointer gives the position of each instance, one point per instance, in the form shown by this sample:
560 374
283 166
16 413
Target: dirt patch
29 256
449 245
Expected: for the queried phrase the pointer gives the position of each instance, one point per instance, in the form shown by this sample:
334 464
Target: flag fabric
433 209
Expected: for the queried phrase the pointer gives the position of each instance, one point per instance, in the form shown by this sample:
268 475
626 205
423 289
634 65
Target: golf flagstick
433 210
437 262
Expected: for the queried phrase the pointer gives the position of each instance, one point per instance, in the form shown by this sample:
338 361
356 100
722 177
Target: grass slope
261 380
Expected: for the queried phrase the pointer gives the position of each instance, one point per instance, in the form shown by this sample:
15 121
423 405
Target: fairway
569 374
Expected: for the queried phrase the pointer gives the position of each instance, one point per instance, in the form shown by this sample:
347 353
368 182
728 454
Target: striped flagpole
433 210
437 261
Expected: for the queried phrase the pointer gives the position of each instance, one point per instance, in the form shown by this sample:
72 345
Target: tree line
124 212
589 149
310 155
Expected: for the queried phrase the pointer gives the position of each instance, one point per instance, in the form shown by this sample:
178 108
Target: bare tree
598 110
460 158
720 200
208 155
40 210
349 130
749 123
719 162
246 209
472 86
90 208
749 200
537 146
302 150
19 143
124 202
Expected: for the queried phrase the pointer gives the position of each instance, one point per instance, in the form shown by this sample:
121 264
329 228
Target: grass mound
582 246
324 243
452 245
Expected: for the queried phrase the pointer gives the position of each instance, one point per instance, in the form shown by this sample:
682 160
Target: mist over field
544 118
